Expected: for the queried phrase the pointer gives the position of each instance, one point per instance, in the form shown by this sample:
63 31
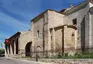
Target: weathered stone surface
68 61
52 32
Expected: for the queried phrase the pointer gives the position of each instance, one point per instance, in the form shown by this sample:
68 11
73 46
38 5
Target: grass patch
86 55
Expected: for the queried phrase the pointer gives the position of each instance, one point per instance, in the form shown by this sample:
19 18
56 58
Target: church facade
52 32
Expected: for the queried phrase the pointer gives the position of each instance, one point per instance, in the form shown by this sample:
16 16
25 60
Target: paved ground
15 61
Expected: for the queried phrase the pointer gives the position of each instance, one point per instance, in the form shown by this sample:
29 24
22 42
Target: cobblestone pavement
16 61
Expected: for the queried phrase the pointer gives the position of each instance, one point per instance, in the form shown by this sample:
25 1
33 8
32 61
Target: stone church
67 31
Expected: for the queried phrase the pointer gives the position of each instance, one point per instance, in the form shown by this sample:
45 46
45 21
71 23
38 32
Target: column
64 38
54 39
6 53
11 52
33 38
14 48
8 50
90 32
76 39
49 43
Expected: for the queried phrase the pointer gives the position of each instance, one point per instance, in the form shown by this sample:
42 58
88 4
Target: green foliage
85 55
46 57
59 55
2 51
66 54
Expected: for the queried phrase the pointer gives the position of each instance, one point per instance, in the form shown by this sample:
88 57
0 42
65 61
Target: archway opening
28 49
17 46
6 48
9 48
13 46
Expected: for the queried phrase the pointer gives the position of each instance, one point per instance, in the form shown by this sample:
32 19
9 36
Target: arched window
75 21
73 34
38 33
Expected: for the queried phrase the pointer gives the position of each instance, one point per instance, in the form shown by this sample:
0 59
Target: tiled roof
74 9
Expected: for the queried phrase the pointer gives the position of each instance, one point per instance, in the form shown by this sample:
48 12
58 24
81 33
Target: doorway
28 49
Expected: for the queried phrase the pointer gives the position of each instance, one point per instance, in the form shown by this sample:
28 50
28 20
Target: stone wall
79 15
58 39
24 38
55 19
69 39
40 33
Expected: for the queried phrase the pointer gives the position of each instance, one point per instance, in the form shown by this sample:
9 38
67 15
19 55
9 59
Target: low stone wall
68 61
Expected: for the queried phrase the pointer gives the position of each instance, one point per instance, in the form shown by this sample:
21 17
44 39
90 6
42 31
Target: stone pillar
7 50
14 48
76 39
65 37
6 54
54 40
63 40
90 32
33 44
11 52
49 43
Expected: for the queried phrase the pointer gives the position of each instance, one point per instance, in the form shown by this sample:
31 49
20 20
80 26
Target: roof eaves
39 16
76 8
14 35
42 14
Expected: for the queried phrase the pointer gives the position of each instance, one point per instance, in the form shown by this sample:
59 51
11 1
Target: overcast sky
15 15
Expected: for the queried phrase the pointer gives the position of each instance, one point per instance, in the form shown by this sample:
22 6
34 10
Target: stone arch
28 49
38 50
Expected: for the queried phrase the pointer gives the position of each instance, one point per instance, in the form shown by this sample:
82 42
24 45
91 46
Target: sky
15 15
